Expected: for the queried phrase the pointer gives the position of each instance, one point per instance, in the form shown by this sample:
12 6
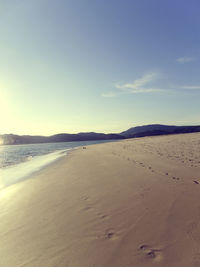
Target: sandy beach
129 203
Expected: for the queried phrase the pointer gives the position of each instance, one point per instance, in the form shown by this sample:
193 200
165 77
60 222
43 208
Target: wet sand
130 203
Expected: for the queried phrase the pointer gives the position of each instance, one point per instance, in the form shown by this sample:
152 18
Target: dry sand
131 203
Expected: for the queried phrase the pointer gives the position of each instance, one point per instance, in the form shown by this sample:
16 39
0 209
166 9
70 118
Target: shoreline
127 203
31 165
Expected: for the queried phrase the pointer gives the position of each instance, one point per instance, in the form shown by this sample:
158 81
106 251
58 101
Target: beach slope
128 203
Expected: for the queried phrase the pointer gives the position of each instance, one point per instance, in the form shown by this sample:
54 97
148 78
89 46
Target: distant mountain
158 129
11 139
139 131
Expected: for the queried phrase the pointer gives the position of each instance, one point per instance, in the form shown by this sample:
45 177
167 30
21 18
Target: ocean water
18 162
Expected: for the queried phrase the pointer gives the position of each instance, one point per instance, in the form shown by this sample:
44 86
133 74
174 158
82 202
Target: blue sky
98 65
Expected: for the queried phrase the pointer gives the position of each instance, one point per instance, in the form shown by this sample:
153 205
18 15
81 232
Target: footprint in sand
88 208
142 164
144 247
151 253
85 197
175 178
110 234
102 216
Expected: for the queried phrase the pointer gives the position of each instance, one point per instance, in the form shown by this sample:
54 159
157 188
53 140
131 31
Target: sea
19 162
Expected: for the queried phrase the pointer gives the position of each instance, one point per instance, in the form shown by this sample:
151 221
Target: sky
69 66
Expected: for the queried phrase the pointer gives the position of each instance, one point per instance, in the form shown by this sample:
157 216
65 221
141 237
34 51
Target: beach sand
130 203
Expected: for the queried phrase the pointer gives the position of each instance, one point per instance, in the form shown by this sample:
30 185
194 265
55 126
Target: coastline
129 203
19 164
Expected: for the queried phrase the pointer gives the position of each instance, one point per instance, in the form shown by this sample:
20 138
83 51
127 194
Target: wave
16 173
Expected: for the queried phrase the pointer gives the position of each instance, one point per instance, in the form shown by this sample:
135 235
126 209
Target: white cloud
185 59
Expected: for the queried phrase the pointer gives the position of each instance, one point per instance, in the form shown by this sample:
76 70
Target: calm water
17 162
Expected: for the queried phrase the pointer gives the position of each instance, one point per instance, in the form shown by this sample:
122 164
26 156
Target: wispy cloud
191 87
109 94
147 90
141 85
185 59
147 84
